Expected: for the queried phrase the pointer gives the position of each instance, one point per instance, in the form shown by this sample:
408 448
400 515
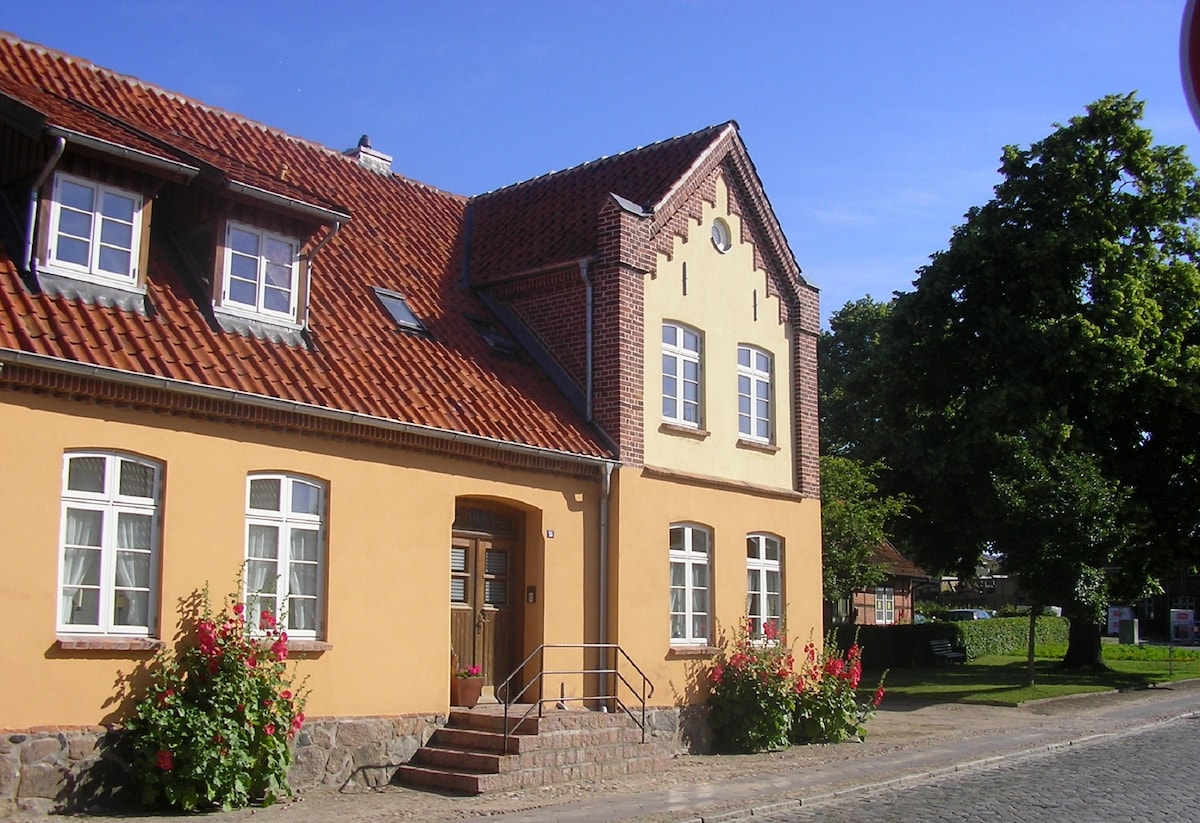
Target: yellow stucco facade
390 515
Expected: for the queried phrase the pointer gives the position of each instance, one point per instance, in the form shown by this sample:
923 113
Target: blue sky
874 125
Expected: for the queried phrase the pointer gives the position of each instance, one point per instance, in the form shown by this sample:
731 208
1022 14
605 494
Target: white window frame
270 583
105 580
755 412
761 570
689 567
97 239
262 285
885 605
676 357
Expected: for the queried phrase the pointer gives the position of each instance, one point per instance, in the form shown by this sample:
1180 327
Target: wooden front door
481 607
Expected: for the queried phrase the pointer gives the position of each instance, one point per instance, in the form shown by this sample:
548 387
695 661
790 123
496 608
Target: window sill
683 431
107 643
313 647
692 651
757 446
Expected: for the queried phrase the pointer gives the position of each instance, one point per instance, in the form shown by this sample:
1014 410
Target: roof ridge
716 127
137 82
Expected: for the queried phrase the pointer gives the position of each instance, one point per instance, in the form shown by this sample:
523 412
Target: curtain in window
131 601
81 567
262 569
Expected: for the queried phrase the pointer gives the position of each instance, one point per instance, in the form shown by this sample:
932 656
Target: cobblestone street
1150 775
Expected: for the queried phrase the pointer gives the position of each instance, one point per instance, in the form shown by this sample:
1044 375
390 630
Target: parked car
967 614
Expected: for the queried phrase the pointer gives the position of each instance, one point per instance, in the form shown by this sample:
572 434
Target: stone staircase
467 756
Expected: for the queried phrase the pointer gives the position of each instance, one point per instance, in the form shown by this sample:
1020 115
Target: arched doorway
487 565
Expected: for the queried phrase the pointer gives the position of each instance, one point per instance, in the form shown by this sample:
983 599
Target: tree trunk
1034 611
1083 645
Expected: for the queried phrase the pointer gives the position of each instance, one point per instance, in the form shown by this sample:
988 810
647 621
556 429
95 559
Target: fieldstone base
44 771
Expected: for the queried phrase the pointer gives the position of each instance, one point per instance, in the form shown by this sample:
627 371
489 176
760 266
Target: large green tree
854 520
1038 391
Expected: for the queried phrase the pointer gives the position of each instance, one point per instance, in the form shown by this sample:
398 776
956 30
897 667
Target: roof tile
403 236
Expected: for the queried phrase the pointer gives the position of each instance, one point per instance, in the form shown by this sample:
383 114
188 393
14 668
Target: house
577 410
894 599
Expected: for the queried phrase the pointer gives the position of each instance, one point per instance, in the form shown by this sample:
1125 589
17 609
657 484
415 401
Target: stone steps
467 755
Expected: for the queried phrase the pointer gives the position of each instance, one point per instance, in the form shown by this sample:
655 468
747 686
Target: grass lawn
1001 679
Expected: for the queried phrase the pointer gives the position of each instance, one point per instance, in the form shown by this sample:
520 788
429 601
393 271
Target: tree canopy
854 518
1038 392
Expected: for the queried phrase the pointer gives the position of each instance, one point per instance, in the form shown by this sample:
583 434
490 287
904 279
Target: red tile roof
897 565
403 236
552 219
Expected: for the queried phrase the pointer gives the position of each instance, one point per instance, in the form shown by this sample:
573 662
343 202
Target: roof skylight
398 308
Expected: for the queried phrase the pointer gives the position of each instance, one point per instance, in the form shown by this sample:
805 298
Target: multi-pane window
681 375
285 547
109 539
764 581
261 272
754 394
885 605
691 584
95 230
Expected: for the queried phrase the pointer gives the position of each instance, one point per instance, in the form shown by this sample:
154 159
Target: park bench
945 653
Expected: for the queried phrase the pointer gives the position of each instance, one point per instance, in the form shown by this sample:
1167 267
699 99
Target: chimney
368 158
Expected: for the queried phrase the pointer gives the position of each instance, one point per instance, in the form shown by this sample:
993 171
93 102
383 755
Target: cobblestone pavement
907 741
1146 775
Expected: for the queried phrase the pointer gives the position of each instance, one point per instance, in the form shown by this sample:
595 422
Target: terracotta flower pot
465 691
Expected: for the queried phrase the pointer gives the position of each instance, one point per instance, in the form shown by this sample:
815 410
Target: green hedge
888 647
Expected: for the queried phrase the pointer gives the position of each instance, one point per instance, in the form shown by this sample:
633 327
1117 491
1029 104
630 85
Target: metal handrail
618 679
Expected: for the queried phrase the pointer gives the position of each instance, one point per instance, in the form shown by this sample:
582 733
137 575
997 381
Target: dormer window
261 273
95 231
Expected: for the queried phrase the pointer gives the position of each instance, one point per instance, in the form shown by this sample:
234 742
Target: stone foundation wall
75 769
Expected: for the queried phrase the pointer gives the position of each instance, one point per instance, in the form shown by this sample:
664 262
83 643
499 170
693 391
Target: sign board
1115 615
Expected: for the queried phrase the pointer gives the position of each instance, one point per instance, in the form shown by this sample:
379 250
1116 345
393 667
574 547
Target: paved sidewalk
907 741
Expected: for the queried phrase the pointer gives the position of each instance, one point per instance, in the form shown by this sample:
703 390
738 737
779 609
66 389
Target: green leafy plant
758 700
215 725
752 692
828 709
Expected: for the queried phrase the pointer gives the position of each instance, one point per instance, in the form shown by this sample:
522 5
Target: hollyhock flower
166 760
770 630
286 694
269 729
268 703
878 696
239 608
717 674
298 721
266 620
251 662
279 648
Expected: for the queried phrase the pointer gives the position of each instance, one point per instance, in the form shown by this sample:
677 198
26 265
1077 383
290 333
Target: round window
721 236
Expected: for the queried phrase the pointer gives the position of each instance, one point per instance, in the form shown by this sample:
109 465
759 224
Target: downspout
605 489
308 264
60 145
587 407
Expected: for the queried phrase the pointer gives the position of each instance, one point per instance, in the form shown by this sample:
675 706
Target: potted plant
466 686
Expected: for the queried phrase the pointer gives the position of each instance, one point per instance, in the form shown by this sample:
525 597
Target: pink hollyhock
286 694
269 729
717 674
878 696
770 630
239 608
266 620
166 760
251 662
279 648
